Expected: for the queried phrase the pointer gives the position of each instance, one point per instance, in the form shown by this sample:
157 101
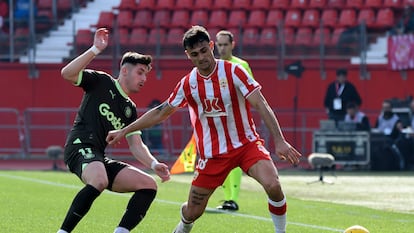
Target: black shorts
78 156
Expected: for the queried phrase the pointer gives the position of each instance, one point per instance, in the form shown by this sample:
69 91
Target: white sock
121 230
61 231
278 220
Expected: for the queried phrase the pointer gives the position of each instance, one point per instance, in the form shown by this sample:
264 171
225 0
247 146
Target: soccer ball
356 229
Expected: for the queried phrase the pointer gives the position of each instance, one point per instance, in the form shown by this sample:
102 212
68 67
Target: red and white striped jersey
222 120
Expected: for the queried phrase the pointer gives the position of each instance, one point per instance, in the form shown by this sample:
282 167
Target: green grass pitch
37 201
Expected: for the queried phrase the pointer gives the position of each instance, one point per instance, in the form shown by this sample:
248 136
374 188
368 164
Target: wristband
153 164
95 50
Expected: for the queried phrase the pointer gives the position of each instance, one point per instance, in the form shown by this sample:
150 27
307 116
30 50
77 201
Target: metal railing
35 129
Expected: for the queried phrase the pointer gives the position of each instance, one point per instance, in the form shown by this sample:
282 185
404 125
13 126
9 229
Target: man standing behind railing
106 106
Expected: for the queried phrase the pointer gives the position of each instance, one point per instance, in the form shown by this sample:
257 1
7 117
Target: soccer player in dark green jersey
231 187
106 106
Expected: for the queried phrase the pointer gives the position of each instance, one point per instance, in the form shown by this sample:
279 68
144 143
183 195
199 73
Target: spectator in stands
231 187
104 107
4 14
220 95
338 94
354 115
388 122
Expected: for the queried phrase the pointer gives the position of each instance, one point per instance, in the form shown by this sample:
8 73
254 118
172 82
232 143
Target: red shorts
211 173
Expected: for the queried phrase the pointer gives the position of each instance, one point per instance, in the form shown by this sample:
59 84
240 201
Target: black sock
80 206
137 208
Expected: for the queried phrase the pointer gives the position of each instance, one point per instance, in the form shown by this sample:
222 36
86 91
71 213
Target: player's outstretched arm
71 71
283 149
150 118
143 154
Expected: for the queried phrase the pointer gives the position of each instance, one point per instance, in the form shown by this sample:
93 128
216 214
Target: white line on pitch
170 202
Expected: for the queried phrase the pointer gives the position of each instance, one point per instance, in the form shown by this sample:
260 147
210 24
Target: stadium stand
257 19
180 19
199 17
329 16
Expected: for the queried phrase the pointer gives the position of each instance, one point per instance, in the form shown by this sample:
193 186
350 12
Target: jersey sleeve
177 97
244 81
89 78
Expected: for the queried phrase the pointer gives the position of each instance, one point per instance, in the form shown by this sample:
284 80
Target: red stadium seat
318 4
347 18
242 4
250 37
304 36
322 35
106 19
329 18
257 18
44 4
84 38
311 18
175 37
180 18
64 6
274 17
260 5
268 37
299 4
237 33
376 4
280 4
125 19
385 18
161 18
356 4
367 15
218 18
156 36
123 37
288 36
293 18
213 32
165 5
143 19
222 4
126 5
336 35
237 18
203 5
199 17
397 4
146 4
138 37
184 4
337 4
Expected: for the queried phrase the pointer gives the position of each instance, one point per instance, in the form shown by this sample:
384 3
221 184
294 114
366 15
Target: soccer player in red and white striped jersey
221 94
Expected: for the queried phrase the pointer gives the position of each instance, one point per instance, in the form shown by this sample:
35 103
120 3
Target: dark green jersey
104 107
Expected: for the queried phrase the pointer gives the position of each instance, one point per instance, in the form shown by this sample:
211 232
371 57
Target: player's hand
114 136
101 38
287 152
161 169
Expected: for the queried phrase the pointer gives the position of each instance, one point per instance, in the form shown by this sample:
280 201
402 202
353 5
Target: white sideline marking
171 202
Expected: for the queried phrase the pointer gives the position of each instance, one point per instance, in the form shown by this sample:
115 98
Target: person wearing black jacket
338 94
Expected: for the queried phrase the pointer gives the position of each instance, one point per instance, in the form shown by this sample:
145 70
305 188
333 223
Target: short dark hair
195 35
341 71
134 58
225 33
